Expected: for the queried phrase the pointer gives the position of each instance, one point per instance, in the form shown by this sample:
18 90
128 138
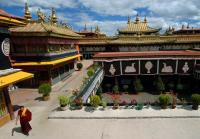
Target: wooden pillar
78 49
8 103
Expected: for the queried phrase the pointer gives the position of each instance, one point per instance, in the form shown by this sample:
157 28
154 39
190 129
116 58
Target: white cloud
162 13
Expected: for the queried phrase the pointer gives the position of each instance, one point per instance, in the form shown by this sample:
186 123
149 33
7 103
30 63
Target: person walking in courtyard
25 116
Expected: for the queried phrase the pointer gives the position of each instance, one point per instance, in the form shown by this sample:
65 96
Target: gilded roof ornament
145 19
85 28
97 30
41 16
53 16
188 26
27 14
129 20
137 18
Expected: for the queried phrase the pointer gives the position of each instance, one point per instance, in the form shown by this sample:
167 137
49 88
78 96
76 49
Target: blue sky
111 15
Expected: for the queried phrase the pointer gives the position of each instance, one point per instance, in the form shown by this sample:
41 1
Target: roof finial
97 30
41 16
137 18
27 14
53 16
129 20
183 26
145 19
188 26
85 28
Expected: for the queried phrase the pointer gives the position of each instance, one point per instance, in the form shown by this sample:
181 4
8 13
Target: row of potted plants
95 101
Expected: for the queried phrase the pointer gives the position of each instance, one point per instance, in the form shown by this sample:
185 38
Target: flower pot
173 106
195 107
63 108
164 106
46 98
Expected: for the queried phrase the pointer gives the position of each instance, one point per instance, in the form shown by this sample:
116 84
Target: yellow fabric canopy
52 63
14 78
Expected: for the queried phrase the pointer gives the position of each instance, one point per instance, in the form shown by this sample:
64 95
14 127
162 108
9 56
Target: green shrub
138 86
115 89
79 66
108 86
104 104
171 85
64 101
44 89
160 86
195 99
164 100
139 106
95 101
90 72
125 87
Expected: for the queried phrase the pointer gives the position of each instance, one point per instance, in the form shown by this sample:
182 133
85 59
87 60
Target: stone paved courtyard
44 128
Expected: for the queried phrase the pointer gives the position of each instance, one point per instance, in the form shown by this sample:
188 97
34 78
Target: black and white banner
149 67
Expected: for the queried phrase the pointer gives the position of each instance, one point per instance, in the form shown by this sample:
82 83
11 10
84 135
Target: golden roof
44 29
138 27
146 39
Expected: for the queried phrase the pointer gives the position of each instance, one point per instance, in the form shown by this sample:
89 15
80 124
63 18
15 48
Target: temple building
139 36
174 67
8 75
45 48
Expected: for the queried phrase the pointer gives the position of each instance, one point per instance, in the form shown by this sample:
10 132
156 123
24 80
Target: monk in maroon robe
25 116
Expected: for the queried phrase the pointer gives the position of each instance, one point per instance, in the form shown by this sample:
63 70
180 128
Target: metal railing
88 88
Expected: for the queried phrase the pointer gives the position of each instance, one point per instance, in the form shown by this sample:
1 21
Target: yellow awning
8 20
14 78
50 63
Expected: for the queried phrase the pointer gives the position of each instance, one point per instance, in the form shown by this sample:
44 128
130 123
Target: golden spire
183 27
53 16
97 30
27 14
85 27
129 20
145 19
137 18
188 26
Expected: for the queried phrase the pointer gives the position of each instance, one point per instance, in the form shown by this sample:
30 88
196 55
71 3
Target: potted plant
78 102
125 87
95 101
115 104
160 86
90 72
174 102
195 101
139 106
108 86
79 66
164 100
104 104
45 90
64 102
138 86
115 89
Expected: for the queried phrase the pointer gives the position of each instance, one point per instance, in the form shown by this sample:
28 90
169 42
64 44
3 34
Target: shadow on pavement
16 129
